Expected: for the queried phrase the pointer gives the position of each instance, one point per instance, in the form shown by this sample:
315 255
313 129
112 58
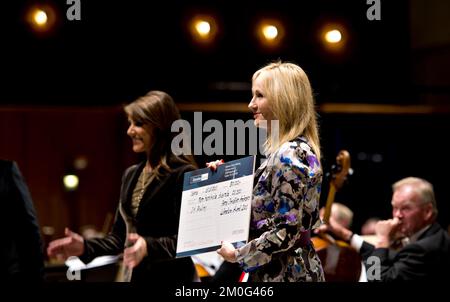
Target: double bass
340 261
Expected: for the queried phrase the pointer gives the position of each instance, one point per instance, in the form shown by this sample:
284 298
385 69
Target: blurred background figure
340 213
368 228
90 231
368 232
21 249
410 246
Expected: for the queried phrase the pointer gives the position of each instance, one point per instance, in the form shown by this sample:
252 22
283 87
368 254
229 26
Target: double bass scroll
340 261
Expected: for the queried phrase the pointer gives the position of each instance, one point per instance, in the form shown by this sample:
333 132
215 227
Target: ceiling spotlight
41 18
270 33
333 36
71 182
203 29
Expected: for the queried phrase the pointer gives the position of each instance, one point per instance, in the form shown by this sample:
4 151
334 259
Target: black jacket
428 258
21 246
157 221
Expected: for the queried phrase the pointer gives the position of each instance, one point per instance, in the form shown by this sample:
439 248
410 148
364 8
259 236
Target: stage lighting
71 182
333 37
41 18
270 33
203 29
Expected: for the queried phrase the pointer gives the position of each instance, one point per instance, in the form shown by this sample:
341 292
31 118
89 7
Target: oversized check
215 206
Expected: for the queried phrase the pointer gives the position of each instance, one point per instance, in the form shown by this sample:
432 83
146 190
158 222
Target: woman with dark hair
146 222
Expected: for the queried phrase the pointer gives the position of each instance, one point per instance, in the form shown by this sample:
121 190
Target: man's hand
385 230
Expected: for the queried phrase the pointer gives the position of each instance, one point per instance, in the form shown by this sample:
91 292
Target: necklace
139 191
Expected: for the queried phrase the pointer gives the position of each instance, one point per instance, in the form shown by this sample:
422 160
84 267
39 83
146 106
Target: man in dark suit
411 245
21 245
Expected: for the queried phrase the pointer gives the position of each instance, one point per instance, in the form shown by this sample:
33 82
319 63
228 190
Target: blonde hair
158 111
422 187
289 94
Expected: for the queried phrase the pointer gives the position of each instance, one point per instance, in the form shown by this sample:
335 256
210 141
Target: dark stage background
384 97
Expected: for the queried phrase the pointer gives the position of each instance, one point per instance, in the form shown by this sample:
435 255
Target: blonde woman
285 205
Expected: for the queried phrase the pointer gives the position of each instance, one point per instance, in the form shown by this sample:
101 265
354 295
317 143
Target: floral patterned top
285 207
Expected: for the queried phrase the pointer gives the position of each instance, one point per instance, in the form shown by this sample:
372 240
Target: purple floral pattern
285 207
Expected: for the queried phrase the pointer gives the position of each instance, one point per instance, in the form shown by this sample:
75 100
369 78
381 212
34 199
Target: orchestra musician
411 245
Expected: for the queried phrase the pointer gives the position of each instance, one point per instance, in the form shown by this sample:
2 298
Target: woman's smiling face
259 104
140 136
